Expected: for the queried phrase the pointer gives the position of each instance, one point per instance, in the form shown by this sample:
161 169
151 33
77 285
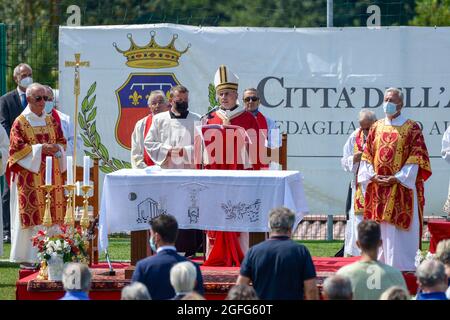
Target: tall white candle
48 170
86 168
69 170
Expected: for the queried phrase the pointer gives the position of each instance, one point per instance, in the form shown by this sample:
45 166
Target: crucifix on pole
76 91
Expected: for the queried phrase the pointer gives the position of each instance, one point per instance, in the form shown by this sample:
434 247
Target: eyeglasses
251 98
39 98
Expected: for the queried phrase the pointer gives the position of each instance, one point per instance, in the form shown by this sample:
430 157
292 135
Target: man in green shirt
369 277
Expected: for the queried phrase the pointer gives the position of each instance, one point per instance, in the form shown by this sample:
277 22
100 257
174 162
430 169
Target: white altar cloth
225 200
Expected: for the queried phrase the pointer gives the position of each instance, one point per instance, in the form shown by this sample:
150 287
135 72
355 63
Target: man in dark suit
154 271
11 106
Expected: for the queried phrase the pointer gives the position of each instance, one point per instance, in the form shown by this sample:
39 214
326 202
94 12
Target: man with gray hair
337 288
280 268
135 291
432 280
183 278
140 158
394 166
350 162
35 135
76 280
11 106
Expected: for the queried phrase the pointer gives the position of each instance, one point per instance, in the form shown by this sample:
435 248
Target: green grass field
119 249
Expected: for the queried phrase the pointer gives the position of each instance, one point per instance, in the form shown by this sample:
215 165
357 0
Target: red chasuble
148 123
31 197
388 149
226 250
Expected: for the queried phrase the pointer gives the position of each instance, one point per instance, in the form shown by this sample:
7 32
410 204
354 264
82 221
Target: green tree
432 13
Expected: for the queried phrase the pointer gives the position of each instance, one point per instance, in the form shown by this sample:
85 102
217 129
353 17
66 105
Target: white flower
418 259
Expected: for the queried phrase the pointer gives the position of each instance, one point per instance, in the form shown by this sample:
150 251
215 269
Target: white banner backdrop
313 82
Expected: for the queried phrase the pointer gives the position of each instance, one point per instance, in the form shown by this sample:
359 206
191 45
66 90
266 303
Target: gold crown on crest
152 56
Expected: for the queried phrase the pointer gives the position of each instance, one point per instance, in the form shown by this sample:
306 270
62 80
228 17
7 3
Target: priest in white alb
350 162
157 103
445 152
34 136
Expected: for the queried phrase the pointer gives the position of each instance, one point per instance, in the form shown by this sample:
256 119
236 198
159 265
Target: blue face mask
152 244
390 108
49 106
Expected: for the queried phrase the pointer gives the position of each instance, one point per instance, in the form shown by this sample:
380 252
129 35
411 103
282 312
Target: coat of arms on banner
132 96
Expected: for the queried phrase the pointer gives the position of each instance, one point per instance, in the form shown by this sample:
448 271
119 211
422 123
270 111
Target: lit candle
69 170
86 168
48 171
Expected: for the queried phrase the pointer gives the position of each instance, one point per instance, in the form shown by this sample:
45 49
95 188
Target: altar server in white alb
157 102
350 162
170 142
446 156
4 146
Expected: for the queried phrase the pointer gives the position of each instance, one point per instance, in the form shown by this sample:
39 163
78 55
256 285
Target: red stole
148 123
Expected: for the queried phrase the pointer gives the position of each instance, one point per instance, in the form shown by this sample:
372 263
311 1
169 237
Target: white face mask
25 82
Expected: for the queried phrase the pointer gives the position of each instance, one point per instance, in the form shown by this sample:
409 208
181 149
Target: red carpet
217 281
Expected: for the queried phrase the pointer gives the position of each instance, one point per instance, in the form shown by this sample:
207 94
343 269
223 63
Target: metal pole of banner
329 13
2 59
330 227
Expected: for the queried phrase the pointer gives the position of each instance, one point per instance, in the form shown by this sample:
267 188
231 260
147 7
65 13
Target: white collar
166 248
33 116
231 113
399 121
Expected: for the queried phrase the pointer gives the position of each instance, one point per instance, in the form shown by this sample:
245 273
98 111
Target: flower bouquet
56 247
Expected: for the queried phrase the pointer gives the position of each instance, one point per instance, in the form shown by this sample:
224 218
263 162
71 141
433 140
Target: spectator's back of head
242 292
337 288
166 226
76 277
281 220
193 296
443 252
431 275
369 235
135 291
395 293
183 276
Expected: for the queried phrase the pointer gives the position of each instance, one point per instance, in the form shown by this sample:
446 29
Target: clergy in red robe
267 128
231 152
157 102
394 166
34 136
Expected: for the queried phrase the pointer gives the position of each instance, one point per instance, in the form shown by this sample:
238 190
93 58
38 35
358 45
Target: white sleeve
137 146
445 151
365 173
4 150
407 175
154 145
347 155
273 135
32 161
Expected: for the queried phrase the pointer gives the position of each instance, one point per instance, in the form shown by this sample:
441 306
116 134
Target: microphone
209 112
